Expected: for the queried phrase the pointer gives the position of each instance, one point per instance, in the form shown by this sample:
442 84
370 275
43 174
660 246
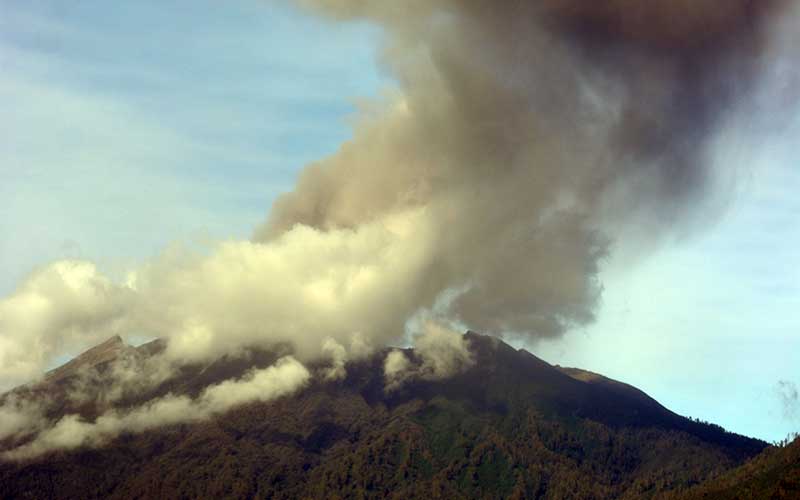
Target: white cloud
59 308
310 289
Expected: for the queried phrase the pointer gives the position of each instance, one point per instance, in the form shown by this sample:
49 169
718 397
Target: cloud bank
70 432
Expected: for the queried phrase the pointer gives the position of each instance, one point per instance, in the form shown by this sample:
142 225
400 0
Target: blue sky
125 127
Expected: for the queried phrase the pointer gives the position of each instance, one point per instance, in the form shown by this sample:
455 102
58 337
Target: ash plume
527 134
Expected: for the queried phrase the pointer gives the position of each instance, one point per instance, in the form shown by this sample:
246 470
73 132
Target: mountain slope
109 350
511 426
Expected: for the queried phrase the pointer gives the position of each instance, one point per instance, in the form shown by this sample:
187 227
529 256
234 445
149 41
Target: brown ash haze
523 143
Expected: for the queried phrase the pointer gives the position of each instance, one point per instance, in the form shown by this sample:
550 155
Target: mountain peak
108 350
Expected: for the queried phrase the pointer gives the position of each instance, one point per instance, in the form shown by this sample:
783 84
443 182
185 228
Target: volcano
508 426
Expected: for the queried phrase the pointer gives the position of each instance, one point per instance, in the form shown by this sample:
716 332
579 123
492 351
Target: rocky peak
109 350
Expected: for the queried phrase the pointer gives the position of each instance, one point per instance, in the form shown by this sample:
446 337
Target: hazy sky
126 127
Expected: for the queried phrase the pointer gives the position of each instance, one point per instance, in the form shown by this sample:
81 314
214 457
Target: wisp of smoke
789 396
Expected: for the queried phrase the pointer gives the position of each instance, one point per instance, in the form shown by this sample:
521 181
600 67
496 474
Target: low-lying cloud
70 432
20 416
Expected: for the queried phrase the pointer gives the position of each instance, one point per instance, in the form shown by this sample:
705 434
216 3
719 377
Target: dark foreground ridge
775 473
511 426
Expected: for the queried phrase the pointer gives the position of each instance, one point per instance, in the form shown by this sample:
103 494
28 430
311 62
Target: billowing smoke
521 139
441 351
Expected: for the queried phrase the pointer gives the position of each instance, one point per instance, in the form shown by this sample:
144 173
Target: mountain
509 426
